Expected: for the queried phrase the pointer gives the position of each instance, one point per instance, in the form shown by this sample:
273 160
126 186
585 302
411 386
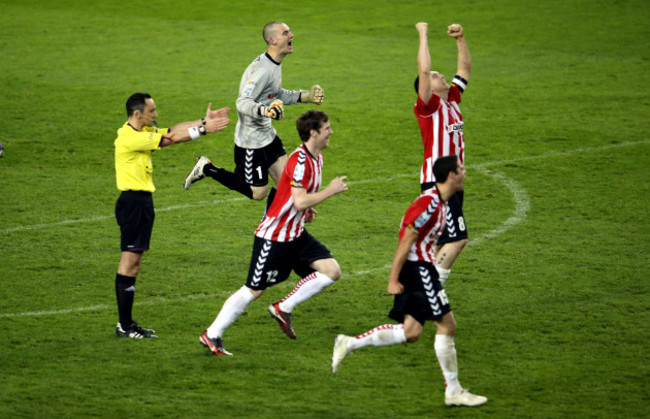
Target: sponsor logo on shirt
249 88
458 127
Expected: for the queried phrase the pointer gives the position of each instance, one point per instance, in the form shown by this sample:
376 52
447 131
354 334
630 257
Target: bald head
270 30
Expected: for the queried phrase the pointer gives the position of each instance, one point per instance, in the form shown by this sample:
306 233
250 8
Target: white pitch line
107 217
561 153
522 205
161 300
104 306
193 297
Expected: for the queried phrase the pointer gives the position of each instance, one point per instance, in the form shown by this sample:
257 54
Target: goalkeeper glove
315 95
275 110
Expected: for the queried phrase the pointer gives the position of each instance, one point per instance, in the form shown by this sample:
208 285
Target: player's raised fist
315 95
422 27
455 30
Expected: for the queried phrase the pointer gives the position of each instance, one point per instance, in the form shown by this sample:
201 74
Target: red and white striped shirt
282 221
441 126
426 216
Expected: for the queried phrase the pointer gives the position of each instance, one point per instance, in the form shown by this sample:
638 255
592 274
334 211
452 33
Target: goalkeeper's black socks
125 291
228 179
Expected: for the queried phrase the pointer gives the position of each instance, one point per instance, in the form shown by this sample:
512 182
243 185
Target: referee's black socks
125 291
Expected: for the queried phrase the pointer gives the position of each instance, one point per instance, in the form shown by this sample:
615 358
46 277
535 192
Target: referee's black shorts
135 216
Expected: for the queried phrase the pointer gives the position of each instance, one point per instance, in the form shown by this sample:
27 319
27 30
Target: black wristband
202 130
203 121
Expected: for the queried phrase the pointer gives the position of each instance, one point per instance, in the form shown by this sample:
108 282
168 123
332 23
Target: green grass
550 296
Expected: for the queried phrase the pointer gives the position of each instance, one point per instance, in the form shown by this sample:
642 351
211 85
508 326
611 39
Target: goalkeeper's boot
215 345
196 173
341 350
134 332
283 319
465 398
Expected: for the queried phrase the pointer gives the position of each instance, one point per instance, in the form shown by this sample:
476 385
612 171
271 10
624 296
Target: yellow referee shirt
133 165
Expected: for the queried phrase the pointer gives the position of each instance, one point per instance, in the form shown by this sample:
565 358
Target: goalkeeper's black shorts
252 164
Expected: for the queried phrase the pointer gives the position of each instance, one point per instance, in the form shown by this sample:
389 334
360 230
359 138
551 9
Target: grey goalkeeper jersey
260 85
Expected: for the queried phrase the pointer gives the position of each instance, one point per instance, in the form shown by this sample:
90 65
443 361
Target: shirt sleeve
299 171
289 97
254 85
460 83
418 214
145 139
424 109
454 94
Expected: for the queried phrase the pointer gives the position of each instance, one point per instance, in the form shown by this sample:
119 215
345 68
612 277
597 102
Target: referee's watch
202 130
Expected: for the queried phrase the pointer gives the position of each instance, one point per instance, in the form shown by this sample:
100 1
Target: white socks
232 308
446 353
307 287
237 303
443 274
384 335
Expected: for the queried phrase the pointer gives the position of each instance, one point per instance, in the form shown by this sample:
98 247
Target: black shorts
455 228
423 297
272 261
135 215
252 164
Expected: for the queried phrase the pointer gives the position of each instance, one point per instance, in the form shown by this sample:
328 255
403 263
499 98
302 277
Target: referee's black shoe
135 332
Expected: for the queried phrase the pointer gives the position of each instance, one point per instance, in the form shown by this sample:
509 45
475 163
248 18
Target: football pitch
551 296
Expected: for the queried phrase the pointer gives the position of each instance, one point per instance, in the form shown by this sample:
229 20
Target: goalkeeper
258 149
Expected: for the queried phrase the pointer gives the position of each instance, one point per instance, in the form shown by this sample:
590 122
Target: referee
136 140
